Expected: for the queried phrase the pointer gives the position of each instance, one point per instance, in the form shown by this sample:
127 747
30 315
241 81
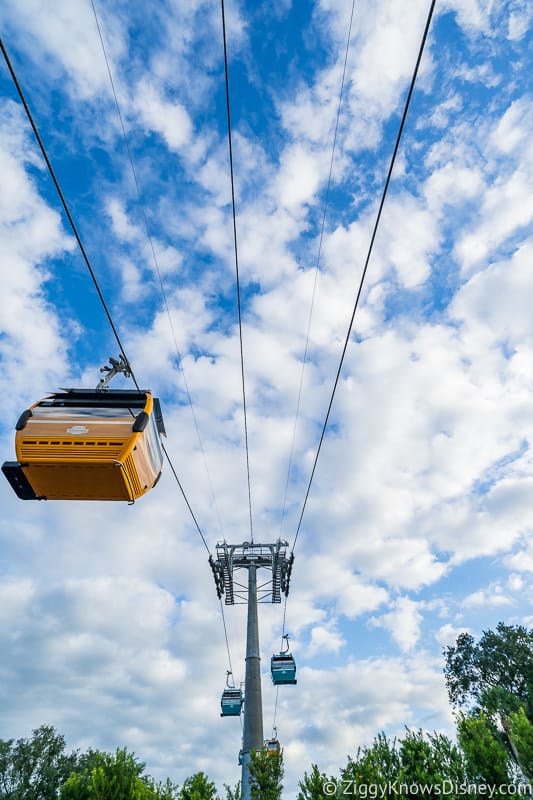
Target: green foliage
487 760
520 731
266 774
233 794
312 786
389 766
495 678
113 777
198 787
431 759
34 768
499 666
376 765
166 790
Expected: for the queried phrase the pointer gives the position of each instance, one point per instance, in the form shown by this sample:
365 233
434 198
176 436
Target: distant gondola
82 444
283 669
273 747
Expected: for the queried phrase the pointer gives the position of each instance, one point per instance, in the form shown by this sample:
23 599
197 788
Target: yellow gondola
88 445
273 747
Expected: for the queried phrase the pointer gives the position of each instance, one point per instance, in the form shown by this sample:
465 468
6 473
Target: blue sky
418 524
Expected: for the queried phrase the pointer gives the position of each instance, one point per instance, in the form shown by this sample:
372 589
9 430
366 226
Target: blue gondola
231 703
283 669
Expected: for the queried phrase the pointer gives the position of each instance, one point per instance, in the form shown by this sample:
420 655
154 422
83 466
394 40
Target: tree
117 776
34 768
198 787
390 767
266 774
233 794
495 679
487 760
166 790
377 765
521 734
430 759
312 786
502 661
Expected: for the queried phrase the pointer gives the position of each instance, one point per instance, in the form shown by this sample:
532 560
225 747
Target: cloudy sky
419 517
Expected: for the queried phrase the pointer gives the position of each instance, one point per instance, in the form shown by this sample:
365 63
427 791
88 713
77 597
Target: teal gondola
231 703
283 669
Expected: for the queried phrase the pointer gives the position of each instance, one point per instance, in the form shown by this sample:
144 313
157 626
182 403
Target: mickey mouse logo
76 430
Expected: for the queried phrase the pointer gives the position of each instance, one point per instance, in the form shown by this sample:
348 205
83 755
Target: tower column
253 712
252 556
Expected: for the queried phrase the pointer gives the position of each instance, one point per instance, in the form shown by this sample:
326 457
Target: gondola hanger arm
116 365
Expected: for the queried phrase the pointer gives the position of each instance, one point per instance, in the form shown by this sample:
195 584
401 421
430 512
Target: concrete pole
252 737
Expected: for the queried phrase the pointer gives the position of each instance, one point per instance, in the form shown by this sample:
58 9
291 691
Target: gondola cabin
283 669
231 703
88 445
273 747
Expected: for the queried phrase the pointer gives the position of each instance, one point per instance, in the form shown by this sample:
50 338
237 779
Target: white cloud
68 34
325 640
169 119
403 622
511 133
30 234
506 207
491 596
409 238
448 633
519 19
299 177
522 559
472 15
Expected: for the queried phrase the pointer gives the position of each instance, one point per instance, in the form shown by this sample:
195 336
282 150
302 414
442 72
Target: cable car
273 747
231 703
82 444
283 669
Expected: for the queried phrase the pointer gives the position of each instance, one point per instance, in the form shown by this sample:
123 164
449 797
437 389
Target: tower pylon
252 557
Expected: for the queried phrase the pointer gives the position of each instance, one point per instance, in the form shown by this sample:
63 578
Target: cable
328 185
185 498
282 637
236 263
365 268
156 264
65 206
275 710
226 635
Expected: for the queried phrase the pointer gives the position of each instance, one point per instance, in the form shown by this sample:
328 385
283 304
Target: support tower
252 557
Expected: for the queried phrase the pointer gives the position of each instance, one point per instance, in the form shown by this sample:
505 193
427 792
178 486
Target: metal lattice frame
234 557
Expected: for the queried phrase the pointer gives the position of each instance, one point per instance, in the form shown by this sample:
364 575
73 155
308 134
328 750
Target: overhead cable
367 260
234 215
65 206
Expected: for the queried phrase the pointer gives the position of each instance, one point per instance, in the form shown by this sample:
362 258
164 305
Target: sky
418 522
